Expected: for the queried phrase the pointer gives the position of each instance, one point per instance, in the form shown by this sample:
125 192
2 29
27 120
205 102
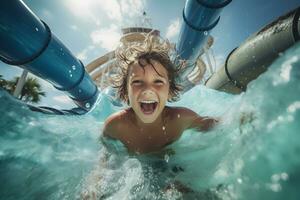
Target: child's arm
203 123
112 126
192 120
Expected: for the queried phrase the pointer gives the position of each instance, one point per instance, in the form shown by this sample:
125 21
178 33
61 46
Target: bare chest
145 140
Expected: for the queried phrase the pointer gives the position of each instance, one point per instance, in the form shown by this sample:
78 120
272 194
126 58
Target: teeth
148 101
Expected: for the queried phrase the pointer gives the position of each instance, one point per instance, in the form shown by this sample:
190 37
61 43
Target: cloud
93 10
83 54
112 9
113 15
173 29
46 14
45 84
107 38
81 9
63 99
74 27
132 8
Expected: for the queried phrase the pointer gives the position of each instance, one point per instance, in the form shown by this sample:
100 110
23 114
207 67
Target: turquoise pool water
252 154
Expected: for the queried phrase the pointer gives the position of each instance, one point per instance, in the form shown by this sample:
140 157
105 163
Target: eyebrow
156 76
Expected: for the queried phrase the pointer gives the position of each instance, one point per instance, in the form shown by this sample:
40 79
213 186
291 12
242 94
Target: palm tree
31 92
3 82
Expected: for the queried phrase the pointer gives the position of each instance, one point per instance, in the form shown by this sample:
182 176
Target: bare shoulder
181 112
190 119
113 124
182 116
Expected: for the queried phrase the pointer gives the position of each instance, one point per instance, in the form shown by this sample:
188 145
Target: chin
147 120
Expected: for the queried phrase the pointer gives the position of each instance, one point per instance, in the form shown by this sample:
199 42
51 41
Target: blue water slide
26 41
199 18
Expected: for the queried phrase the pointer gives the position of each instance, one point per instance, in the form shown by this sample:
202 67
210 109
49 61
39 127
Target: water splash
252 154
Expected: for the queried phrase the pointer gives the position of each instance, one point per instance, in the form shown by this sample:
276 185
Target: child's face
147 90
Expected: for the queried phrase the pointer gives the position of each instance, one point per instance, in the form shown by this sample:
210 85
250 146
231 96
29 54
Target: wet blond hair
152 48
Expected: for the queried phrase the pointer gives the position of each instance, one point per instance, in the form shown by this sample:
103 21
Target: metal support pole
20 83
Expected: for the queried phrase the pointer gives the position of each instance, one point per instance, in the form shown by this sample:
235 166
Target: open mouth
148 107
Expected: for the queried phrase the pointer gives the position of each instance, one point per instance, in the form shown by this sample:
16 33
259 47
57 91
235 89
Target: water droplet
284 176
275 187
239 180
163 128
73 67
87 105
275 177
205 33
166 157
31 123
36 29
178 116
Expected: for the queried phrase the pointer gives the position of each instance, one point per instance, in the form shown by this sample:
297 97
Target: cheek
132 92
165 92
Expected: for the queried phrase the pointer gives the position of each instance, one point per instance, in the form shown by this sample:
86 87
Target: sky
91 28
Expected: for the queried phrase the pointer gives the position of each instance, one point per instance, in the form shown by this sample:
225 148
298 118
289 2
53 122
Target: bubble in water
73 67
284 176
87 105
36 29
163 128
70 71
79 90
205 33
71 75
239 180
275 178
166 157
32 123
276 187
178 116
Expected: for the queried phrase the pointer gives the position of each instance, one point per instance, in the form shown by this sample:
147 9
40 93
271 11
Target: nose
148 92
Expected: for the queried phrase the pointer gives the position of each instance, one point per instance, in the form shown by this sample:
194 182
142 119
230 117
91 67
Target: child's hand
208 123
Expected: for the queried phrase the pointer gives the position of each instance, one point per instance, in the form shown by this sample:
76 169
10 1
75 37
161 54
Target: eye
136 82
159 82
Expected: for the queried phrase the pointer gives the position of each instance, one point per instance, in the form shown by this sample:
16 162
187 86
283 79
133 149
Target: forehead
137 70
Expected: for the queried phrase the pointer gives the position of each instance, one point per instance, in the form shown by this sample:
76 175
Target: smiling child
146 82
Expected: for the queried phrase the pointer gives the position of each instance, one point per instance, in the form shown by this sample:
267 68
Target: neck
159 121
